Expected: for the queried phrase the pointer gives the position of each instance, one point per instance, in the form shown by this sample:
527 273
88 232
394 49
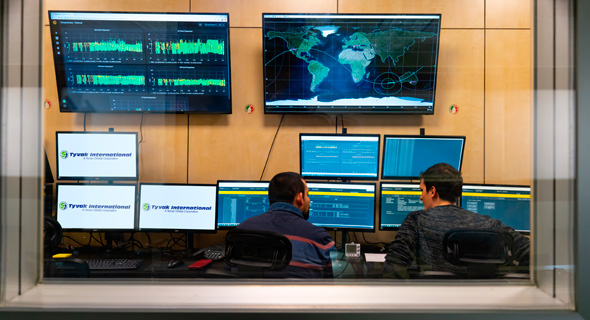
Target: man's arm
403 249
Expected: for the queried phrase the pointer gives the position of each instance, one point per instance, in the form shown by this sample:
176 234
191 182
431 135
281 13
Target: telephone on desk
214 252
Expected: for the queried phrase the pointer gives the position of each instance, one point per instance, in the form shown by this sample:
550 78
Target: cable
342 119
84 121
367 242
336 130
271 145
141 129
76 241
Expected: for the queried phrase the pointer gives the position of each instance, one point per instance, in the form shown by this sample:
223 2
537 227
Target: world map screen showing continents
343 63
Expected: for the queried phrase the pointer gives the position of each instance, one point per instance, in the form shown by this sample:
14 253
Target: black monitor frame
381 228
179 230
460 201
60 72
372 230
217 199
58 185
384 177
355 110
334 177
113 178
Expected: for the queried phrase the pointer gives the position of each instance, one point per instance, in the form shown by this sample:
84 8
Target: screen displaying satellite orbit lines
141 62
339 156
397 201
343 206
509 204
350 63
240 200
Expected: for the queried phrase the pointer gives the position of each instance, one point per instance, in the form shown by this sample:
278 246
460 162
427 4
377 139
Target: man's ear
433 192
298 201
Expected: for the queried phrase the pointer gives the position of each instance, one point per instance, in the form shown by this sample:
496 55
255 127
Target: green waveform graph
187 47
110 80
111 45
190 82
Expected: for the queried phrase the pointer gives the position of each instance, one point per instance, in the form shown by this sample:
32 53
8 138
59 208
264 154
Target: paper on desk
375 257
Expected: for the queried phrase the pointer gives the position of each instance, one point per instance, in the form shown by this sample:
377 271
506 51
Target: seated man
421 234
288 214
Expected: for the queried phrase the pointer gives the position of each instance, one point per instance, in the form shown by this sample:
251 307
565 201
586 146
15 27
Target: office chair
254 251
481 251
66 268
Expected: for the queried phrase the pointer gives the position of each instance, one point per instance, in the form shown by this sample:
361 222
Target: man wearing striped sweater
288 214
421 234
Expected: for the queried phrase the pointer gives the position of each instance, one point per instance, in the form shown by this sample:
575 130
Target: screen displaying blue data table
141 62
509 204
240 200
397 201
338 156
342 206
405 157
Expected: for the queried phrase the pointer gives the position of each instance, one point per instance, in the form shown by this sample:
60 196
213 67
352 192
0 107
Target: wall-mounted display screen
509 204
177 207
350 63
96 155
141 62
337 156
405 157
397 201
342 206
96 207
240 200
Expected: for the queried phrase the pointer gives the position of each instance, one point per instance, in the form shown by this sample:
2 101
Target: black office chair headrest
257 248
481 246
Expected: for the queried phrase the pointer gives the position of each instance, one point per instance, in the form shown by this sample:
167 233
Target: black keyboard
114 264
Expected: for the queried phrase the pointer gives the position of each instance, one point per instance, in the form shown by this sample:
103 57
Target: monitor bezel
179 230
372 230
266 109
460 204
57 61
411 178
97 229
381 228
217 199
334 177
80 178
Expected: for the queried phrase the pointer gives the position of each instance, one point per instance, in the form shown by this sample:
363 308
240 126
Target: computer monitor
141 61
350 63
405 157
96 155
96 207
397 201
240 200
177 207
342 206
339 156
509 204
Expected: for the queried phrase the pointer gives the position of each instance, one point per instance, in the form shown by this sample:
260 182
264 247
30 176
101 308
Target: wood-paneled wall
484 68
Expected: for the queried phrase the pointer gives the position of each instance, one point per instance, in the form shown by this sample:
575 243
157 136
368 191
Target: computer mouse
175 263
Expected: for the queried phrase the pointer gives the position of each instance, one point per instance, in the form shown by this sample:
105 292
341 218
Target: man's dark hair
446 179
284 187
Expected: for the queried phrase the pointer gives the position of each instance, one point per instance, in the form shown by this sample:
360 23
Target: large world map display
342 65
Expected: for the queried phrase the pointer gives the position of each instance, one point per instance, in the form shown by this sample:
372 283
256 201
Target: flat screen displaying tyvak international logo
96 155
177 207
96 207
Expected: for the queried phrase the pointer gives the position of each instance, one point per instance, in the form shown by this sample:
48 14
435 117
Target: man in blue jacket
288 214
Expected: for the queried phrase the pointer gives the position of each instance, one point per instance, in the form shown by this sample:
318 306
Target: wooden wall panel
248 13
508 114
509 14
117 5
455 13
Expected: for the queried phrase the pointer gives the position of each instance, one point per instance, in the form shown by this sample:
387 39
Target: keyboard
214 254
114 264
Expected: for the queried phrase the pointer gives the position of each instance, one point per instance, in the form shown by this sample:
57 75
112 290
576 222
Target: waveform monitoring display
336 156
509 204
405 157
141 62
177 207
340 63
397 201
342 206
240 200
96 207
